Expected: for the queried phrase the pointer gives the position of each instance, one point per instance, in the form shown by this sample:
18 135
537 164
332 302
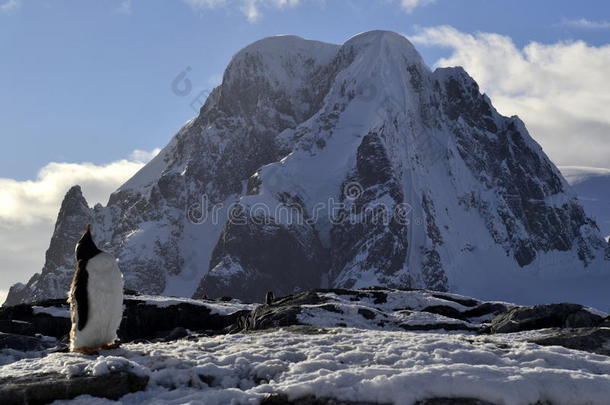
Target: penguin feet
85 350
110 346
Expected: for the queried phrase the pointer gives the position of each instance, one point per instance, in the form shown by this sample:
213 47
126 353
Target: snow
346 364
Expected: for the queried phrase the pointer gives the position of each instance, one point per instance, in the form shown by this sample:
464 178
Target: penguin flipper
81 277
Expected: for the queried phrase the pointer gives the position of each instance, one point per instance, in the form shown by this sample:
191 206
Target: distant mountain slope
315 164
592 185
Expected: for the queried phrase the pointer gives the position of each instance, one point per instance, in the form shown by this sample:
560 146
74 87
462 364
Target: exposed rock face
318 165
294 260
54 281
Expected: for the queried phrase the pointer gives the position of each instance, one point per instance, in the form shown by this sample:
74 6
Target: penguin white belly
105 299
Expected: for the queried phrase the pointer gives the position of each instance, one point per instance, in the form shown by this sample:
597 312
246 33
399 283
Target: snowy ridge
472 203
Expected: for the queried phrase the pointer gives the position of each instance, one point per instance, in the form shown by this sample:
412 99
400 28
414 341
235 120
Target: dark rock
283 313
544 316
331 308
486 308
282 399
378 294
176 333
17 327
377 239
21 319
23 343
467 302
440 326
281 257
366 313
148 321
592 340
141 320
444 310
454 401
49 387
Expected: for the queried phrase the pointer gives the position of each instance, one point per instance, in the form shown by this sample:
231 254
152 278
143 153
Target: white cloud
587 24
29 208
410 5
250 8
9 5
143 156
577 174
560 90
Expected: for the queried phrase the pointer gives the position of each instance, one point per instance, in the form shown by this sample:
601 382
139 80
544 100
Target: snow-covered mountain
316 165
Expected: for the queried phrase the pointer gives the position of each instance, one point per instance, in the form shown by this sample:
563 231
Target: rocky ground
368 346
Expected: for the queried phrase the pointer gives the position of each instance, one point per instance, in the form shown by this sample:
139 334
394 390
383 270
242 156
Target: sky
88 89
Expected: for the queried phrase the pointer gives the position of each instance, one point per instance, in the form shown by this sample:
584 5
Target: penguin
96 298
269 297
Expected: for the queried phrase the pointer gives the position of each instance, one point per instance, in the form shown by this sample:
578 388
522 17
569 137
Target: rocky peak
73 217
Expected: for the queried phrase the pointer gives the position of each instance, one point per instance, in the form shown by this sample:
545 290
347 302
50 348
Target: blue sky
86 86
91 80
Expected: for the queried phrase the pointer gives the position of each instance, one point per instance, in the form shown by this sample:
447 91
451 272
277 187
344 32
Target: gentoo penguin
96 298
269 297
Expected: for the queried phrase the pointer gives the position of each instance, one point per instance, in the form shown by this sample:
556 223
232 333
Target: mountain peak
389 40
303 134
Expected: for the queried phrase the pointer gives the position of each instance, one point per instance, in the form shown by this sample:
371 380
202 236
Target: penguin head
85 248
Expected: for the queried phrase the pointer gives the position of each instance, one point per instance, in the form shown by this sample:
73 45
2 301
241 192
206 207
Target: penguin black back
85 250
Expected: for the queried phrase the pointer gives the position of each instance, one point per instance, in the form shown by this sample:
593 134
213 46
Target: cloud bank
560 90
30 208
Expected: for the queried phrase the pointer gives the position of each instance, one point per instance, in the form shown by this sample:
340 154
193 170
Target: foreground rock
281 399
592 340
545 316
48 387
